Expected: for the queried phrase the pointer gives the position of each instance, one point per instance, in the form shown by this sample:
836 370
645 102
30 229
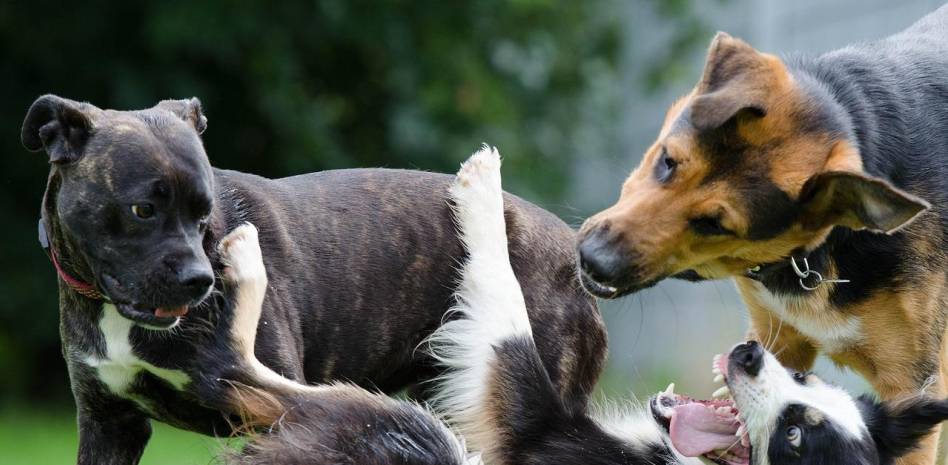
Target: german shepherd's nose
602 260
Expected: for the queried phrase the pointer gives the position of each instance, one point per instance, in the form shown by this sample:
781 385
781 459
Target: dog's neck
863 108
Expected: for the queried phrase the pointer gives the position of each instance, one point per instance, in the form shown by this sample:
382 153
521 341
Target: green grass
50 437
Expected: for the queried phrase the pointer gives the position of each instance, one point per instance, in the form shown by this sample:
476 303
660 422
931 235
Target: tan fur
882 337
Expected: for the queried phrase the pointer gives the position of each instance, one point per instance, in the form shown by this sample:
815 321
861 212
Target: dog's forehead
145 143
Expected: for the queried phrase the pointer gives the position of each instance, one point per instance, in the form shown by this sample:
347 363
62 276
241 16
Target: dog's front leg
111 431
893 390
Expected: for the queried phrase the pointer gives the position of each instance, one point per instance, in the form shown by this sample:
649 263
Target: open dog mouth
159 317
152 317
712 429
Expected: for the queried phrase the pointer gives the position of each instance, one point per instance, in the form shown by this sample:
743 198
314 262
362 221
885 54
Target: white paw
479 205
478 180
240 253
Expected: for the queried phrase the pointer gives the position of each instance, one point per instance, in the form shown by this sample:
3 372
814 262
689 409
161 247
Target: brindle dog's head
754 163
128 201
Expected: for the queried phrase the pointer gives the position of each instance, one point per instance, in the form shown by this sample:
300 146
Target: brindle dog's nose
749 356
601 260
195 280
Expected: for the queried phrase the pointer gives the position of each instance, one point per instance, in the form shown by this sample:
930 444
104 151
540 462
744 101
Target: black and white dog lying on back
498 395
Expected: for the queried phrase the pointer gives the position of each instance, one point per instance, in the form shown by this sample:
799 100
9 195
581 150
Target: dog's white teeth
718 378
721 393
741 430
670 390
723 410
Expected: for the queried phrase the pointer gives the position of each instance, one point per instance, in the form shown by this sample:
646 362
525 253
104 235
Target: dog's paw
478 203
479 175
240 253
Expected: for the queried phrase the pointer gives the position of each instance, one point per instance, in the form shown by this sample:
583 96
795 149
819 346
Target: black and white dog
497 393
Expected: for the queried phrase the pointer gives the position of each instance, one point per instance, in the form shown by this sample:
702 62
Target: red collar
83 288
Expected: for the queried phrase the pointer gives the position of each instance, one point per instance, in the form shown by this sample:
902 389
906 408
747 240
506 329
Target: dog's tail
339 424
496 391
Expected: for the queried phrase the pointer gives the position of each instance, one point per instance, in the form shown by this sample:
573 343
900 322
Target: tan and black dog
789 175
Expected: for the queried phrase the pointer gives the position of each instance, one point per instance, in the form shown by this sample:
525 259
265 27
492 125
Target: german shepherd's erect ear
730 83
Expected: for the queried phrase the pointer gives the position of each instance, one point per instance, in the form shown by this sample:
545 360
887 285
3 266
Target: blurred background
571 92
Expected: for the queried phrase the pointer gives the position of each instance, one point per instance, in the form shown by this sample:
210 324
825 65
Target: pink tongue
163 312
697 430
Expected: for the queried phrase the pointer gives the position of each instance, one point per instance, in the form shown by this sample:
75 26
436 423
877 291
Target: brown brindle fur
897 327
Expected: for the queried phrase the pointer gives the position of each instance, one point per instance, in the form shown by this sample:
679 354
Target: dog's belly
829 329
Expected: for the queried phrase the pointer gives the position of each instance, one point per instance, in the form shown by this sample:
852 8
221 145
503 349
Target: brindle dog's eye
143 210
709 226
794 436
665 167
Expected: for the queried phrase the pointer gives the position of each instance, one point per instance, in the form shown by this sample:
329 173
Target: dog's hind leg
317 425
246 274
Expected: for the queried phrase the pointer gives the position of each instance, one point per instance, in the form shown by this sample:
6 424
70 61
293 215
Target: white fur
762 399
489 300
832 331
119 366
492 311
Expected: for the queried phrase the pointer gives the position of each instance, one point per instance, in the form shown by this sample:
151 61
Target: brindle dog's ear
897 428
734 82
187 109
857 201
59 125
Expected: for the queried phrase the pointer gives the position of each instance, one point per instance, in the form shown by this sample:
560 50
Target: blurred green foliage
291 87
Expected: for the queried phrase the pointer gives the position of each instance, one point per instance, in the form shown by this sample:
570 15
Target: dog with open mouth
817 183
497 393
360 265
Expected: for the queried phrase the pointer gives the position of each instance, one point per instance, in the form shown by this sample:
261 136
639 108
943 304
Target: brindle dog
838 162
361 267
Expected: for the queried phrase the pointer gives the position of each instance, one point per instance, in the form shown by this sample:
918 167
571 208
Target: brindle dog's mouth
152 317
712 429
148 316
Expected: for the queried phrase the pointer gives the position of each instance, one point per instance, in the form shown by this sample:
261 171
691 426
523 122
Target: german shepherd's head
756 162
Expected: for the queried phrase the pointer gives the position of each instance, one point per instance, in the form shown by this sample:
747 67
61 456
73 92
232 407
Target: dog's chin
606 291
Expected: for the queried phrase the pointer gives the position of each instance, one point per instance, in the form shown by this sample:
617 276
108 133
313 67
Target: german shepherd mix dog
498 393
820 184
361 267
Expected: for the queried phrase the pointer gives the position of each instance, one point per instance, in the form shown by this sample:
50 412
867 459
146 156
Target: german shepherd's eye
709 226
665 167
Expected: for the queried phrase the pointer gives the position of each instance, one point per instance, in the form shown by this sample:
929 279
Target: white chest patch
830 329
119 367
